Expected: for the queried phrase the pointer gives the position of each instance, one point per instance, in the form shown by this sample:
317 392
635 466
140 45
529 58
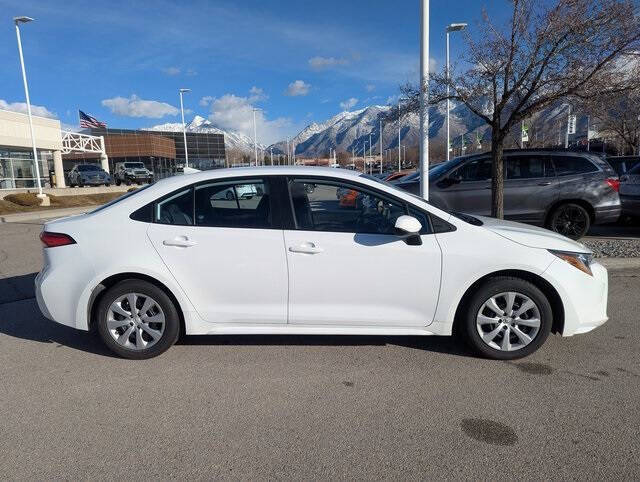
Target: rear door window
567 165
528 167
234 204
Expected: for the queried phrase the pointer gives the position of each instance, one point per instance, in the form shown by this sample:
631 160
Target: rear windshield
121 198
635 170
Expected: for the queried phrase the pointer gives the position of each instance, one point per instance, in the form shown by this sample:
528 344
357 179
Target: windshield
635 170
88 167
133 165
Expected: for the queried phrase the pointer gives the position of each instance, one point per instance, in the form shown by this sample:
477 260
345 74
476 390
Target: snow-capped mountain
232 140
349 131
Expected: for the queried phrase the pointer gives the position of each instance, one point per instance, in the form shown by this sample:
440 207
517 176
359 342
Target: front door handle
306 248
179 242
544 183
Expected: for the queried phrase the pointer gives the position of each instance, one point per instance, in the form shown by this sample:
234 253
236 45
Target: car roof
261 171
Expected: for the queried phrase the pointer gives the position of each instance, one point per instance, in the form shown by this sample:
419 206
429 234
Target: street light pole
255 136
17 21
370 155
184 128
380 146
424 101
454 27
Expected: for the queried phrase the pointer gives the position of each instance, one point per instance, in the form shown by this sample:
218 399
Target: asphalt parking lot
311 407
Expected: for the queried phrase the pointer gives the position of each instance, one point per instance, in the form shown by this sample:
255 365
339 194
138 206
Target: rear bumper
607 214
630 205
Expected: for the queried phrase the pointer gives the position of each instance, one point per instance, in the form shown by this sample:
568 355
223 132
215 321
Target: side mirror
409 228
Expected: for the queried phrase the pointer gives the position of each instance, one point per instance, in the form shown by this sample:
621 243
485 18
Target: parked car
630 192
623 164
88 175
241 191
132 172
396 176
564 191
270 266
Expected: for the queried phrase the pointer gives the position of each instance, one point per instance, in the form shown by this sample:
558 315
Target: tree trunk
497 173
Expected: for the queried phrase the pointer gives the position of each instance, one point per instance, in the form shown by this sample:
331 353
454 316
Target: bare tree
618 114
571 49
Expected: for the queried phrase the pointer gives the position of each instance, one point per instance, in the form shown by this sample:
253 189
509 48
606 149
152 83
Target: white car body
279 281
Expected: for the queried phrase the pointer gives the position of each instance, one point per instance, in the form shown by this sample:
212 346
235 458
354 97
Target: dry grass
24 202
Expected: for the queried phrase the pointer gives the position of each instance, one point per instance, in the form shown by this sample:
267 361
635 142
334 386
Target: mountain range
348 131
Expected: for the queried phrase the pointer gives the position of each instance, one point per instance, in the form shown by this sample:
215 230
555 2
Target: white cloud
137 107
191 72
235 113
257 94
299 87
21 107
349 103
370 87
320 63
171 70
206 100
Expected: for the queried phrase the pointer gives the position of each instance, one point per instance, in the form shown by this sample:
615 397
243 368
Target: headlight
582 261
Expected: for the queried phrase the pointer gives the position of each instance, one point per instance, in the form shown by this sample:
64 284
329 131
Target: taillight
52 240
613 183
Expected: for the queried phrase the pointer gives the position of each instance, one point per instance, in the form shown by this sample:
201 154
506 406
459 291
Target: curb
619 264
48 214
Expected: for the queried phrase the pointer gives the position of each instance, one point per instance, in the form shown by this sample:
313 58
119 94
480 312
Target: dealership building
161 151
58 151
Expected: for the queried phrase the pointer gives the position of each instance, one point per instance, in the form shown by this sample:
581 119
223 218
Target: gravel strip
614 248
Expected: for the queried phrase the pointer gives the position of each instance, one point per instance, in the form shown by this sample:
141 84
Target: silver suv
564 191
132 172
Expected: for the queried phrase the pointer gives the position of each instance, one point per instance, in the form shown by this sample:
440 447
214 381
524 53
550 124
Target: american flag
88 122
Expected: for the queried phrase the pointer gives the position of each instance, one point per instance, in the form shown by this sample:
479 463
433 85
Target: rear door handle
179 242
306 248
544 183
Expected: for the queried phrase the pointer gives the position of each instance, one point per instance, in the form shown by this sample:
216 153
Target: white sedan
175 257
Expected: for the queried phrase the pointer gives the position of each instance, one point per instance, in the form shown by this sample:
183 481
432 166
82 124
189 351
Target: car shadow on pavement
20 317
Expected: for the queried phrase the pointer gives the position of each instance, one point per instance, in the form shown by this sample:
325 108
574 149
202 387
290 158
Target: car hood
532 236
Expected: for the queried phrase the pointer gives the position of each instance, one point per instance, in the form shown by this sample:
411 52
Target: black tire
570 219
127 182
118 182
172 319
493 286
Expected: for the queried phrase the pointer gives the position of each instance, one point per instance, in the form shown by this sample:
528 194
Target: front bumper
584 297
95 182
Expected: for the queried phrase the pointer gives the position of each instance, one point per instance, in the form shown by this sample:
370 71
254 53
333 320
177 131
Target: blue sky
299 61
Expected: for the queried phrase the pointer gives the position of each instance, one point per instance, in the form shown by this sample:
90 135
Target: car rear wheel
570 220
137 320
506 318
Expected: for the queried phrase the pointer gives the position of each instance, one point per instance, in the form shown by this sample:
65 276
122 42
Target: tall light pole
454 27
271 152
424 101
255 136
380 146
370 155
18 21
399 148
184 127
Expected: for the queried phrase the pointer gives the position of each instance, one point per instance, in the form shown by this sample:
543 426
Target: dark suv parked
562 190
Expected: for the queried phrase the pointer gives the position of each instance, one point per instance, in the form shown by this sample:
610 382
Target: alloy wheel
135 321
570 221
508 321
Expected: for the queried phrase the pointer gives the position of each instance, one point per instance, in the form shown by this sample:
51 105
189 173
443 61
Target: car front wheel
506 318
137 320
